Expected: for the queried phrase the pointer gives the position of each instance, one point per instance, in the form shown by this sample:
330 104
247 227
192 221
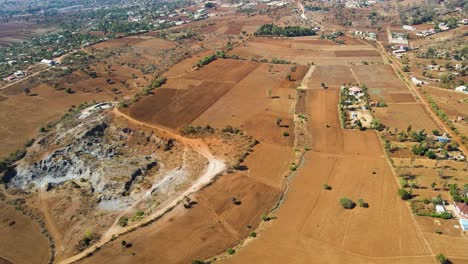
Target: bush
252 234
362 203
123 221
230 129
404 194
289 31
347 203
431 154
230 251
196 261
285 134
327 187
140 213
442 259
158 82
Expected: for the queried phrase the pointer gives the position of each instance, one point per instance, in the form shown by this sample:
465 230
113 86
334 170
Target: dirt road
215 166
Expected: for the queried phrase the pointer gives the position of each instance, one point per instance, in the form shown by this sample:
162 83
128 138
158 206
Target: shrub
123 221
196 261
286 134
230 129
252 234
442 259
327 187
437 231
431 154
404 194
362 203
347 203
140 213
293 166
230 251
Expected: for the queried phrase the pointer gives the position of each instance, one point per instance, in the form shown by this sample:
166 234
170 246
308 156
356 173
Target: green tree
347 203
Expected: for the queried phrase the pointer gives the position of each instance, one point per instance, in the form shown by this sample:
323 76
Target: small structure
426 33
462 88
440 209
462 209
407 27
416 81
443 27
48 62
19 74
355 90
443 139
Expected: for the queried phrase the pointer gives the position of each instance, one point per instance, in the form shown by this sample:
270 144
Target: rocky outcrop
93 153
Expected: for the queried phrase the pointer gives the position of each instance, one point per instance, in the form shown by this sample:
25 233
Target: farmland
214 132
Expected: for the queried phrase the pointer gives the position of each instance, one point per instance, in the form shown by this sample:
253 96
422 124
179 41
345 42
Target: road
215 166
397 68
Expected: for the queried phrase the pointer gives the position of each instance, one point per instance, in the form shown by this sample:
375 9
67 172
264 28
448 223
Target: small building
443 139
440 209
462 88
443 26
462 209
355 90
19 74
407 27
48 62
416 81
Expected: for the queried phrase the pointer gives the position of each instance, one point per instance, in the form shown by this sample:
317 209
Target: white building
462 88
48 62
407 27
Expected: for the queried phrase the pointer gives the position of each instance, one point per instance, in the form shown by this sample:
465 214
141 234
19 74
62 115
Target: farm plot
311 224
331 76
179 111
401 115
300 51
250 98
378 76
231 71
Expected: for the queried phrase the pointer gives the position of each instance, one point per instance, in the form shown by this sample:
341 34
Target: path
215 166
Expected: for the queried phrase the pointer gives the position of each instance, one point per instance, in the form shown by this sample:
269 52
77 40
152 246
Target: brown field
17 31
305 50
327 75
215 223
22 241
356 53
312 226
401 115
378 76
22 116
176 114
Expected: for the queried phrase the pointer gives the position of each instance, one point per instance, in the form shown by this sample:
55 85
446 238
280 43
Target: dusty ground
22 239
313 227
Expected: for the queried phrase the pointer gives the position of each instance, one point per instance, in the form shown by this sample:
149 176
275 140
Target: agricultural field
234 133
306 50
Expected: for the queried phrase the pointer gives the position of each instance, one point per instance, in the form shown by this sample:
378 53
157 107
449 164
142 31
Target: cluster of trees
416 15
455 193
317 8
289 31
